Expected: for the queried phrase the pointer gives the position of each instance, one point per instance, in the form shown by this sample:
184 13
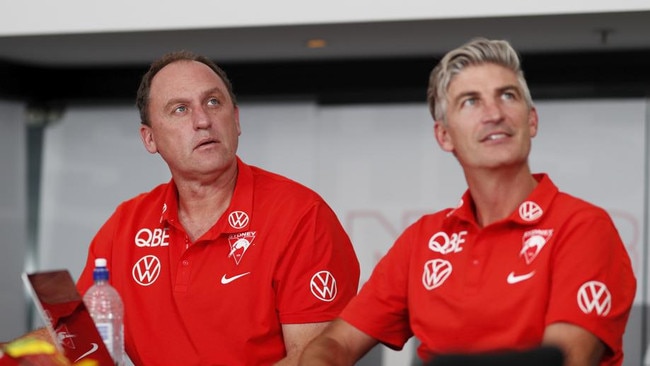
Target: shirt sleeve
593 284
381 308
318 272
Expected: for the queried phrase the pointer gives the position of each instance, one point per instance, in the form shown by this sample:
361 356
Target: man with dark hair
226 264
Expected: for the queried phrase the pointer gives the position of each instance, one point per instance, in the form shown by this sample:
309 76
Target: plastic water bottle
105 306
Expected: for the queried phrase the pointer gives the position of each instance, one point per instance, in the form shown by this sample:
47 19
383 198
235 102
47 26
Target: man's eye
469 102
507 96
213 101
180 109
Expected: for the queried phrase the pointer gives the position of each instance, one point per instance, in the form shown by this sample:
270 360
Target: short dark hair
142 98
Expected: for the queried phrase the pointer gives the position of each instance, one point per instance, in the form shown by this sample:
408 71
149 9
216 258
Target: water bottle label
106 332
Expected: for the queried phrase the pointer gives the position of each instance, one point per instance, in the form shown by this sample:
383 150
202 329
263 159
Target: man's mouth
206 143
495 136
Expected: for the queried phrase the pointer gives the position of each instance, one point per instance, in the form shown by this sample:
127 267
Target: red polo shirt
278 255
461 288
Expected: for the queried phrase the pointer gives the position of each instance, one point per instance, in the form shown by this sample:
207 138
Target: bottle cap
100 262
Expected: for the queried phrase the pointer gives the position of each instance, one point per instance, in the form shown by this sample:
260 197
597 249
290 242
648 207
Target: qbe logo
146 270
442 243
152 238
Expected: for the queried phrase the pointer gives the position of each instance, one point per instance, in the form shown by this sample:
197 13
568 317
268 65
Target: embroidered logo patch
239 244
530 211
226 280
442 243
323 286
164 209
146 270
593 296
436 272
533 242
238 219
515 278
459 205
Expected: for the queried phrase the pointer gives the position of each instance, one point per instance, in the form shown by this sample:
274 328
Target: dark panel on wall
550 75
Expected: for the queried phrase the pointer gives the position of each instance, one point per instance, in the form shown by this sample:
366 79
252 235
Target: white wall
92 160
377 165
13 219
36 17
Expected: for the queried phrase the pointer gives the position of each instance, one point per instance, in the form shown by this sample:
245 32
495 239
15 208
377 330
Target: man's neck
201 203
497 193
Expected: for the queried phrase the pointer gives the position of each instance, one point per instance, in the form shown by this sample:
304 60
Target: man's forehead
476 76
183 76
184 69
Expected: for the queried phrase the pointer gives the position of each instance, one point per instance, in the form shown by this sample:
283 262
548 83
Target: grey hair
477 51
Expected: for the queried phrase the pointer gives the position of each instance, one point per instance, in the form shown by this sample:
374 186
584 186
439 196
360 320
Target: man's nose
492 111
200 118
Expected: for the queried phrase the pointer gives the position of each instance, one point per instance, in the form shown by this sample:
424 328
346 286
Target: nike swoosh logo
226 280
512 278
94 348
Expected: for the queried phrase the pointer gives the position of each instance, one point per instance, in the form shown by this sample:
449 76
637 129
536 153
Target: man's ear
442 136
237 120
533 121
146 134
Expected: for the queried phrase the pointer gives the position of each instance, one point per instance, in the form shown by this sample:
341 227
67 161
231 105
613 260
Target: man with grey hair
516 265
